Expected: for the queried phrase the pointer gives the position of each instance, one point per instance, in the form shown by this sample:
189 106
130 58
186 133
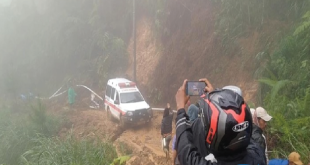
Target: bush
18 129
15 137
26 137
288 97
69 151
41 122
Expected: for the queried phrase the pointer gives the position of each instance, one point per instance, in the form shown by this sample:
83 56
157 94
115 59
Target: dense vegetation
283 70
288 95
28 136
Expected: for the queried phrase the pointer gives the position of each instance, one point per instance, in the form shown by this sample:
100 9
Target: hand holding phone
209 87
180 97
195 88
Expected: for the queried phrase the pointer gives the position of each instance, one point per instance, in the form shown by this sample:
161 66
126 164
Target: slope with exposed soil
143 140
190 47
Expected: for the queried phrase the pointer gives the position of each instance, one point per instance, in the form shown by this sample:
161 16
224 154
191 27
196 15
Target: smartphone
195 88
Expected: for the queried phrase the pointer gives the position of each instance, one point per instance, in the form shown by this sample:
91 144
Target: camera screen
195 88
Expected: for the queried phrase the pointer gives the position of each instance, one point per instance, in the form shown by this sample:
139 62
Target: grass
124 148
29 136
69 152
15 137
293 144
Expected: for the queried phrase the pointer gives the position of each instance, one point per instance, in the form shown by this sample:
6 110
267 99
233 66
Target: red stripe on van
114 107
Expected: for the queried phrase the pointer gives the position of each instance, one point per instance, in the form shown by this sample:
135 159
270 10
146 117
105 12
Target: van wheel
109 115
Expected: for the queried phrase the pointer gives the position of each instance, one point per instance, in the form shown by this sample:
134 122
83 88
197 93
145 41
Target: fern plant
304 25
42 122
275 85
306 103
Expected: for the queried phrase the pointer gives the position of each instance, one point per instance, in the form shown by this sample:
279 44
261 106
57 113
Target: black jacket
257 136
191 147
166 123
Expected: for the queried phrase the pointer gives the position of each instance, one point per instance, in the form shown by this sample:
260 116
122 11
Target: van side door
117 104
113 108
107 99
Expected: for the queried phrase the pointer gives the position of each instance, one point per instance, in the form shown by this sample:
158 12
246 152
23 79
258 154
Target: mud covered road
142 141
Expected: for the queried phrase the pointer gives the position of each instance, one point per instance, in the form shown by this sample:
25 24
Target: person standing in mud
166 128
71 94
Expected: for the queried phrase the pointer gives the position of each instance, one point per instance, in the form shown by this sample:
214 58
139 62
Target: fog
46 42
5 2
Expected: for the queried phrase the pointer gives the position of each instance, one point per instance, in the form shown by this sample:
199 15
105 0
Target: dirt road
143 141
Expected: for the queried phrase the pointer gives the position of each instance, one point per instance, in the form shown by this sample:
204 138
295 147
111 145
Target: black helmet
227 122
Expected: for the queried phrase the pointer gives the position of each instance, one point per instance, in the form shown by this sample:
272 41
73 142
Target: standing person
224 130
166 128
293 159
71 96
260 118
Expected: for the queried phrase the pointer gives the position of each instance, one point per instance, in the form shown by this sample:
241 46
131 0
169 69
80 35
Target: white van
124 102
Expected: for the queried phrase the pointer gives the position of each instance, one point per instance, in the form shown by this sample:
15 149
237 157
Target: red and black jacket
191 146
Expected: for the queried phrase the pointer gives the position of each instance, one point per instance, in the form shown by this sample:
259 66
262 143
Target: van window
112 93
117 96
108 91
131 97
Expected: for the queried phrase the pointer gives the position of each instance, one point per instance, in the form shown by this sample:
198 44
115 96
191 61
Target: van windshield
131 97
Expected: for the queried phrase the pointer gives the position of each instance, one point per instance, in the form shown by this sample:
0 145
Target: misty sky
5 2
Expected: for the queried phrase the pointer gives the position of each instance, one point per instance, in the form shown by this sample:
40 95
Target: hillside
190 47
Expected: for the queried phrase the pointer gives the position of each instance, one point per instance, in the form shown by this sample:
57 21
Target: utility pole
134 40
